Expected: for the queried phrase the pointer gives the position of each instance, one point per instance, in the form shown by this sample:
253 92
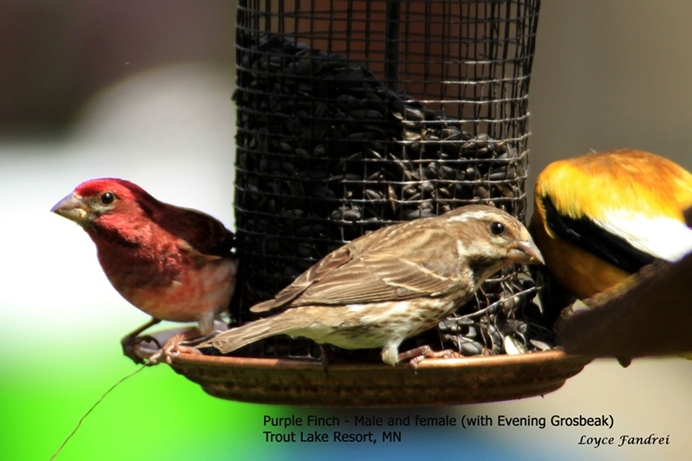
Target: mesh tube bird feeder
353 115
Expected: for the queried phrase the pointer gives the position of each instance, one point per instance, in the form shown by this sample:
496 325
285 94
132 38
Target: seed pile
503 319
326 151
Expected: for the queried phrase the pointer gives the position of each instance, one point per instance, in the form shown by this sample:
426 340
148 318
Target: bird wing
625 207
660 236
202 232
592 236
373 269
313 275
623 238
381 277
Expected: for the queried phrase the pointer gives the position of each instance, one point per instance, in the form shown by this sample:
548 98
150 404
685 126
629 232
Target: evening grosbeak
601 217
172 263
392 284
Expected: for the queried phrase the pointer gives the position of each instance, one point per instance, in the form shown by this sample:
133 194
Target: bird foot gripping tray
357 115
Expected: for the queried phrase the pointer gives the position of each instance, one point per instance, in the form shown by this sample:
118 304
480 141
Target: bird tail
235 338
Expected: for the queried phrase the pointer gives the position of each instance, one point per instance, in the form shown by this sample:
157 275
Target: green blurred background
141 90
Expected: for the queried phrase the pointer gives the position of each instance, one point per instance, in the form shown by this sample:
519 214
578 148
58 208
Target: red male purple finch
173 263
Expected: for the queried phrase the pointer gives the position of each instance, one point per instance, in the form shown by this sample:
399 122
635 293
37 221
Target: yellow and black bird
601 217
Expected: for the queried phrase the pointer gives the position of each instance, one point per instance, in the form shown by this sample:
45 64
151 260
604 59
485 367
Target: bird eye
107 198
497 228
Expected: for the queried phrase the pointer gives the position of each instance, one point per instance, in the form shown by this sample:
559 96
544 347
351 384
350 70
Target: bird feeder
356 114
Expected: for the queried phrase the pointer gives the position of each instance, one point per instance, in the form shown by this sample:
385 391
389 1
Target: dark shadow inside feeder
326 152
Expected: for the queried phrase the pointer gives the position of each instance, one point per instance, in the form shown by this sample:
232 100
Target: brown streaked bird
391 284
172 263
601 217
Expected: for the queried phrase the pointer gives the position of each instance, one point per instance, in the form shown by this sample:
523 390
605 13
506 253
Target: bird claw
173 348
133 339
168 353
129 346
421 353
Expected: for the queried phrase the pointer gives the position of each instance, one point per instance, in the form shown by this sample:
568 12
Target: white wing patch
662 237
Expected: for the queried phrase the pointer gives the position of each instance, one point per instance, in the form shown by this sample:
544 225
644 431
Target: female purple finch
172 263
392 284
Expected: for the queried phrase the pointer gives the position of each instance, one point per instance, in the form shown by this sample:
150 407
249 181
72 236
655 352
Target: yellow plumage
601 216
622 179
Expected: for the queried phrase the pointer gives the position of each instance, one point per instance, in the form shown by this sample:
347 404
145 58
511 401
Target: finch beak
525 252
72 208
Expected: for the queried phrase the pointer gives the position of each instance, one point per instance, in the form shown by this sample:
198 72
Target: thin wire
81 420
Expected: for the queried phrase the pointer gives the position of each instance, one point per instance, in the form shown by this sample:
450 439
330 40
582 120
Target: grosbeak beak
392 284
601 217
172 263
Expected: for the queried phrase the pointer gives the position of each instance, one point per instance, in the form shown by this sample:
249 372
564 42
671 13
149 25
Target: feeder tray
435 382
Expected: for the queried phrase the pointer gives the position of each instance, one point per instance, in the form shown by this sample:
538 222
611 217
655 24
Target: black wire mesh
357 114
